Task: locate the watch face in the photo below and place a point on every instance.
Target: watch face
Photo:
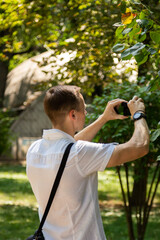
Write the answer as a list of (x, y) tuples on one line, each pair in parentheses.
[(137, 115)]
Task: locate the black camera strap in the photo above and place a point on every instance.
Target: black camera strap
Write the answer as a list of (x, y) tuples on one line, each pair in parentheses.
[(55, 186)]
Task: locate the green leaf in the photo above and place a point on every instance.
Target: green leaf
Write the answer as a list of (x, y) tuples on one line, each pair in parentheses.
[(155, 36), (154, 84), (127, 30), (126, 54), (135, 49), (142, 36), (134, 32), (136, 53), (152, 51), (119, 31), (145, 23), (141, 58), (118, 24), (83, 6), (158, 158), (155, 135), (123, 6), (118, 47), (135, 2), (138, 46), (142, 14)]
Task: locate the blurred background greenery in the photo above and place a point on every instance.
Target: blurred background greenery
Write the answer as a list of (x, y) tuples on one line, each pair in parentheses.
[(114, 49)]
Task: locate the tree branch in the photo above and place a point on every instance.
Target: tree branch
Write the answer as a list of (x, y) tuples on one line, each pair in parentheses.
[(32, 48), (149, 206), (127, 210)]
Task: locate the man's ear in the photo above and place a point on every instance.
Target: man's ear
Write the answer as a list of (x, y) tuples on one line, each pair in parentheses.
[(72, 114)]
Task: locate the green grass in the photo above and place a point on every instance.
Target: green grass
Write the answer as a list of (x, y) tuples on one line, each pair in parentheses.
[(112, 210), (18, 207)]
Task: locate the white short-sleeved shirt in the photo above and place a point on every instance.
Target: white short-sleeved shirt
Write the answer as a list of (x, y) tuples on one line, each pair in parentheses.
[(74, 214)]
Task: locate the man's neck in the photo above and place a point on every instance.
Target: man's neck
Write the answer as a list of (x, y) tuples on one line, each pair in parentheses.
[(67, 129)]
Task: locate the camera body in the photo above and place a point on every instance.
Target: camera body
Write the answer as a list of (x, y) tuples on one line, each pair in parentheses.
[(123, 109)]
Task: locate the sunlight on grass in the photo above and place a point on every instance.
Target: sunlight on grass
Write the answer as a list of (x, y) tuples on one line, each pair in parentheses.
[(13, 175), (15, 189), (18, 206), (109, 186)]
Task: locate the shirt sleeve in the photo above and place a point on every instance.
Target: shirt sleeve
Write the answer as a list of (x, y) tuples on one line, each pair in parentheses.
[(93, 157)]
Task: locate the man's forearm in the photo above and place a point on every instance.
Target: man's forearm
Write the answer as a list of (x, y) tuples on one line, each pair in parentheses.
[(135, 148), (140, 136), (138, 145), (88, 133)]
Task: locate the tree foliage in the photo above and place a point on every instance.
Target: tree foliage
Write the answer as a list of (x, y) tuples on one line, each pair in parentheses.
[(89, 31), (25, 24), (138, 36), (62, 25), (5, 135)]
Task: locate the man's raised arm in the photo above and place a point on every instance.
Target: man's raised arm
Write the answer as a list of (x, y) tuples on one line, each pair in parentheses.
[(88, 133), (138, 145)]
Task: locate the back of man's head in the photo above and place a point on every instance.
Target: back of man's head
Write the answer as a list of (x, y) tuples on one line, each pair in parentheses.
[(60, 100)]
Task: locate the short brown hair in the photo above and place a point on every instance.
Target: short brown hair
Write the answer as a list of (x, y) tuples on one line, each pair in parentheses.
[(59, 100)]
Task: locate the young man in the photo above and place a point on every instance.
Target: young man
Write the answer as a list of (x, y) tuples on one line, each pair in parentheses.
[(74, 214)]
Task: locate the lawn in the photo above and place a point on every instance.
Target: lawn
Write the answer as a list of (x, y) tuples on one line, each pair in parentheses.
[(18, 207)]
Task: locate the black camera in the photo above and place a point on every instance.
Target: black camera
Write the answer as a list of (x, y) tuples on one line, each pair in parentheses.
[(123, 109)]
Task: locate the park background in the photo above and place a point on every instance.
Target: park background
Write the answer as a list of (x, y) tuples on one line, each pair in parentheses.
[(109, 48)]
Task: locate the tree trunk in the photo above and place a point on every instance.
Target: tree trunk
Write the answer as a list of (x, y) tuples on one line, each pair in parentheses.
[(138, 197), (3, 79), (127, 205)]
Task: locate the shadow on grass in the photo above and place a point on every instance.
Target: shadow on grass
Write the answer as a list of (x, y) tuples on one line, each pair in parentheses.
[(17, 222), (13, 169), (103, 195), (10, 186), (108, 196), (115, 225)]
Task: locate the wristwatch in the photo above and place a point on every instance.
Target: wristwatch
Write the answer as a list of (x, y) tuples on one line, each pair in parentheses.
[(138, 115)]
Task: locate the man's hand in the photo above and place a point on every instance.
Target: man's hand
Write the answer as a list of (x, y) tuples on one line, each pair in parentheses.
[(110, 113), (136, 104), (88, 133), (138, 145)]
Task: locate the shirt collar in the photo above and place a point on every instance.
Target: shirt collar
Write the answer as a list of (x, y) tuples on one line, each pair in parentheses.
[(56, 134)]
